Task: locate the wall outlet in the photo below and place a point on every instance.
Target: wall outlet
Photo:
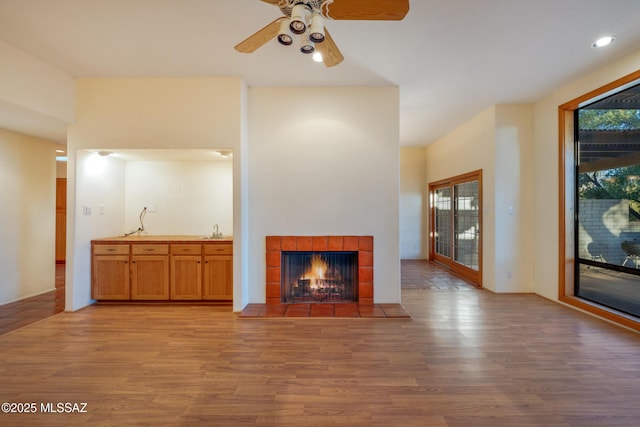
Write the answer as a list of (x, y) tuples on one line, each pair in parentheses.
[(508, 274)]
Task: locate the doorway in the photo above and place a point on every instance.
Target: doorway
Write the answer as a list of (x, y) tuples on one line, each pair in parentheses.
[(455, 237)]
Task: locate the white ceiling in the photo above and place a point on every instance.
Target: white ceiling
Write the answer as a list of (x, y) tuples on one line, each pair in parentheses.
[(451, 59)]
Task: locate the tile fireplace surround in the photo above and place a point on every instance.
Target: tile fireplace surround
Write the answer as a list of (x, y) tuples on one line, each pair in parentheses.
[(363, 245), (363, 308)]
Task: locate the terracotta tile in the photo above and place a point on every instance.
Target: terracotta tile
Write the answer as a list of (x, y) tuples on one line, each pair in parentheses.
[(273, 259), (274, 310), (366, 243), (272, 302), (371, 311), (297, 310), (252, 310), (336, 243), (346, 310), (273, 291), (365, 258), (351, 243), (365, 290), (322, 310), (365, 274), (273, 275), (365, 301), (273, 243), (288, 243), (319, 243), (304, 243)]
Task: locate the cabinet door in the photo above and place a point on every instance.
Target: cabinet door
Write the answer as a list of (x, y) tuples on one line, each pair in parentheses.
[(150, 277), (110, 277), (186, 277), (218, 277)]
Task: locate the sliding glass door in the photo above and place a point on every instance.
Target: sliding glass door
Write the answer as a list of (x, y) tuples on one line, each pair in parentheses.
[(455, 227)]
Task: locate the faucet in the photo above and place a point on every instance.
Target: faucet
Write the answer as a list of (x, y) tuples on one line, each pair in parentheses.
[(216, 233)]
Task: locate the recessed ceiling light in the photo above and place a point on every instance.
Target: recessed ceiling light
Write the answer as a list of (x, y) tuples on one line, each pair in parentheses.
[(603, 41)]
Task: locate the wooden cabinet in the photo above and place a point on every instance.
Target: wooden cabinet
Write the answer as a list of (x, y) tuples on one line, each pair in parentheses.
[(110, 272), (218, 272), (147, 270), (150, 272), (186, 272)]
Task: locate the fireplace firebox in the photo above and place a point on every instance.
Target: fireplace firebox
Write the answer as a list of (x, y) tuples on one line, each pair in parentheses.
[(319, 276)]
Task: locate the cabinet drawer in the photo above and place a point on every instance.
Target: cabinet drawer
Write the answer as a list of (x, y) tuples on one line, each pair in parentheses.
[(111, 249), (218, 249), (150, 249), (186, 249)]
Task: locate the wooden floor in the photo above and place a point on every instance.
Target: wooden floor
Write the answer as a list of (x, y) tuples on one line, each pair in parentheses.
[(466, 358), (21, 313)]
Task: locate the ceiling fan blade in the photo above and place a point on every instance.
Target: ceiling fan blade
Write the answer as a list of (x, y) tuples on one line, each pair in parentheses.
[(260, 38), (375, 10), (331, 55)]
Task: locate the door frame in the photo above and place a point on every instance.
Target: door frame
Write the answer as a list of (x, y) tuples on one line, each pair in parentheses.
[(466, 273)]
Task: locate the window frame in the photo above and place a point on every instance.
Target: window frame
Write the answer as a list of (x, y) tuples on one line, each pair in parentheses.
[(568, 202)]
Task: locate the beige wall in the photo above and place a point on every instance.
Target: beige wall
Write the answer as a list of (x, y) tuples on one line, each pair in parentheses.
[(471, 147), (141, 113), (498, 141), (413, 203), (34, 96), (27, 216), (331, 169), (546, 167)]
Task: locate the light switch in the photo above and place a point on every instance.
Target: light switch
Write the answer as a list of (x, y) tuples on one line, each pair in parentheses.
[(86, 209)]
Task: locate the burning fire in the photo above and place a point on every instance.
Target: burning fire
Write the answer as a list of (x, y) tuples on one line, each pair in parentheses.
[(316, 273)]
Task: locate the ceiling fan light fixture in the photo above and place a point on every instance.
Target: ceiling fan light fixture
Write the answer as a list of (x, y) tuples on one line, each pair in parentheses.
[(306, 45), (299, 15), (284, 35), (317, 56), (316, 29)]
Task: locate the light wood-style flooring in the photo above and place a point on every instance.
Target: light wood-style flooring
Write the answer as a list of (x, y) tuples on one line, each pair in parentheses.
[(466, 358)]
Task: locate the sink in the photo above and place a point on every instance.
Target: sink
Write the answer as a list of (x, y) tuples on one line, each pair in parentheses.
[(215, 237)]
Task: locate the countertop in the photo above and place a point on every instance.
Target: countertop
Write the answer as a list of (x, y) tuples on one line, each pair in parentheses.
[(163, 239)]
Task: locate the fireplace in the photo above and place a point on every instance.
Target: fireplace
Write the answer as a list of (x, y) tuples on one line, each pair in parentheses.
[(347, 276), (319, 277)]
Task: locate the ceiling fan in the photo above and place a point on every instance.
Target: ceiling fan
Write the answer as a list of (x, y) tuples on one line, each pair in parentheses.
[(304, 20)]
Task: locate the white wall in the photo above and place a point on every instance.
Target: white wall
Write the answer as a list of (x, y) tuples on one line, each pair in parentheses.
[(189, 197), (546, 163), (143, 113), (413, 203), (27, 216), (98, 181), (325, 161)]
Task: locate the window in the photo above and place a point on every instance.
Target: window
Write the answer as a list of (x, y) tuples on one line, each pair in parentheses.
[(600, 213), (608, 191)]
